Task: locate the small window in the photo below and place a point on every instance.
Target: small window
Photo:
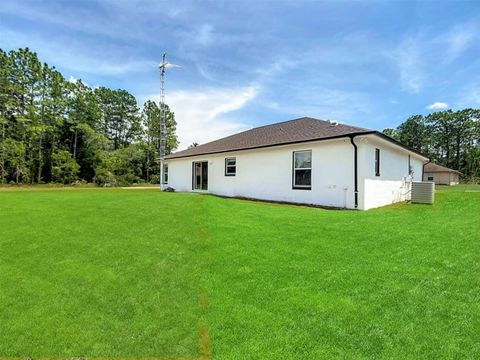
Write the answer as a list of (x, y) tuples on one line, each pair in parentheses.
[(165, 173), (230, 166), (377, 162), (302, 170), (430, 178)]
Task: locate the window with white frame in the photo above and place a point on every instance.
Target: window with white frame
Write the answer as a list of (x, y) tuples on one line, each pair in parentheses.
[(302, 169), (230, 166), (165, 173)]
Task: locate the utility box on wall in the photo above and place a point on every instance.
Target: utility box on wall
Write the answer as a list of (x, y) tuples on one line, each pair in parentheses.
[(423, 192)]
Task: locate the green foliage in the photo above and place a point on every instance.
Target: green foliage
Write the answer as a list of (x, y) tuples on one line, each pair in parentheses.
[(15, 162), (151, 135), (450, 138), (121, 167), (43, 117), (105, 178), (413, 132), (64, 168)]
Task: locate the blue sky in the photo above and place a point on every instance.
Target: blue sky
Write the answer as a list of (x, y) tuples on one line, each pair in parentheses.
[(250, 63)]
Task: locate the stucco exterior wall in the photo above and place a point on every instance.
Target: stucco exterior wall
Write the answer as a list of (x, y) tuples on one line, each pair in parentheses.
[(267, 173), (392, 184), (442, 178)]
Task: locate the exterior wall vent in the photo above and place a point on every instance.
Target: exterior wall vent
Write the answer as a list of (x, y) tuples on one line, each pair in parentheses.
[(423, 192)]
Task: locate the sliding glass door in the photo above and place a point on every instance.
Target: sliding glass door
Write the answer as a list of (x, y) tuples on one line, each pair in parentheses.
[(200, 175)]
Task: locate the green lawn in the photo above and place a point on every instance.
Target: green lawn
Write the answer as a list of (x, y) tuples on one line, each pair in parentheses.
[(138, 273)]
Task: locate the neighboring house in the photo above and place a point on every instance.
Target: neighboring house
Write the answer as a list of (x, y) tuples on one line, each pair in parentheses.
[(441, 175), (305, 161)]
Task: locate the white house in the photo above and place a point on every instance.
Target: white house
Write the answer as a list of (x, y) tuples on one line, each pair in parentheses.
[(306, 161)]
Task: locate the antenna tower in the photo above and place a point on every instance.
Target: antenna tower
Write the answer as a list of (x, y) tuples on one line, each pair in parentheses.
[(163, 120), (163, 115)]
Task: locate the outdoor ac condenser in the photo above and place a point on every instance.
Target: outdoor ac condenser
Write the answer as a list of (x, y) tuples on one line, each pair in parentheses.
[(423, 192)]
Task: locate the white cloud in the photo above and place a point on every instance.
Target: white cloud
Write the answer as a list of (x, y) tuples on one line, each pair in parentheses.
[(63, 54), (409, 58), (327, 104), (469, 96), (458, 40), (105, 67), (422, 56), (88, 21), (438, 105), (204, 70), (205, 36), (202, 115)]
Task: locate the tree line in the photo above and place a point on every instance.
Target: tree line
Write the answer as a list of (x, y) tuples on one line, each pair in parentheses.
[(54, 130), (449, 138)]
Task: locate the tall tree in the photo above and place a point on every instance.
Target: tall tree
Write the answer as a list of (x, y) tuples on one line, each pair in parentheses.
[(151, 125), (413, 132), (26, 72), (450, 138), (57, 130)]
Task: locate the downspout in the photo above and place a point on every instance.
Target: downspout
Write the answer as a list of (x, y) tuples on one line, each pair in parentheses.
[(423, 169), (355, 169)]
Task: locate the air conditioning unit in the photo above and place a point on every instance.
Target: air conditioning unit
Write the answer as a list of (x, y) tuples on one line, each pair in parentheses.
[(423, 192)]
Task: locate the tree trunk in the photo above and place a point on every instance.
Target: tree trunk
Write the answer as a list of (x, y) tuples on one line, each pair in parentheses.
[(75, 144), (3, 153), (458, 150), (447, 149), (148, 166), (30, 161), (40, 160), (52, 151), (148, 161)]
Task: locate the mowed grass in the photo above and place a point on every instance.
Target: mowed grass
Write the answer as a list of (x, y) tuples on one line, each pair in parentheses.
[(99, 273), (137, 273)]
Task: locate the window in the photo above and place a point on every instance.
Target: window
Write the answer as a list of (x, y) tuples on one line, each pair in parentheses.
[(302, 170), (165, 173), (377, 162), (230, 166), (430, 177)]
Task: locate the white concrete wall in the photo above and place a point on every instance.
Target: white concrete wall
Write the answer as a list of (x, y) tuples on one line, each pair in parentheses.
[(390, 186), (267, 174)]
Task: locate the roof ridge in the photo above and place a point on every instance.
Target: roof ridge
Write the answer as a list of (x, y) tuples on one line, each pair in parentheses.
[(260, 127), (284, 122)]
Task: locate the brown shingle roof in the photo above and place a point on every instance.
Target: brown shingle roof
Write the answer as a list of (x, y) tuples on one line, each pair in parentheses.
[(432, 167), (287, 132)]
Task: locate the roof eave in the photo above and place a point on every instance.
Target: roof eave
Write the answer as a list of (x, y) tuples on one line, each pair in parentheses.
[(367, 132), (398, 143)]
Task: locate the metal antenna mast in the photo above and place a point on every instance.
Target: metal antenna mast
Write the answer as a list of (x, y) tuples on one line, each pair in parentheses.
[(163, 122), (163, 115)]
